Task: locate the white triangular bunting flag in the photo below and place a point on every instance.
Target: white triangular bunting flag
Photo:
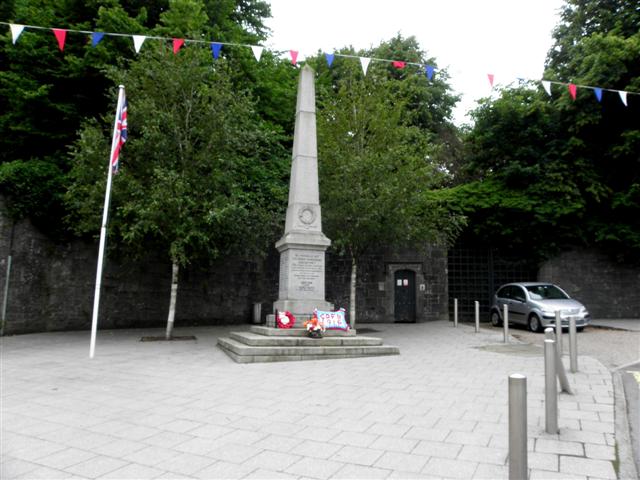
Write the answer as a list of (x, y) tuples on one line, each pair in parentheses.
[(623, 97), (138, 40), (364, 61), (547, 86), (16, 30), (257, 52)]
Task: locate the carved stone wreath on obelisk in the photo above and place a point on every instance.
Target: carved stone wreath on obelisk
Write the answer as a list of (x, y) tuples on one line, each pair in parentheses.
[(303, 245)]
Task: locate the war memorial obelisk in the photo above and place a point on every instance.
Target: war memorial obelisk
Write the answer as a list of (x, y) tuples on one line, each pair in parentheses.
[(303, 245)]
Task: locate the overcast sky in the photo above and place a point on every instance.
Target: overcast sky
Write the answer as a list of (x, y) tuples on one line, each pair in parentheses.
[(471, 38)]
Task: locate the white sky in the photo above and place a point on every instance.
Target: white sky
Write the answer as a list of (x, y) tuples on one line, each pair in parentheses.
[(471, 38)]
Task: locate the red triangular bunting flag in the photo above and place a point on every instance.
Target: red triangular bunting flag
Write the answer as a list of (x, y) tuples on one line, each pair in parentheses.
[(398, 64), (573, 89), (490, 77), (294, 56), (177, 44), (61, 35)]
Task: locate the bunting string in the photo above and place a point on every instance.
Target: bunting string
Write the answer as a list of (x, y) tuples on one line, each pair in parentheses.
[(178, 43)]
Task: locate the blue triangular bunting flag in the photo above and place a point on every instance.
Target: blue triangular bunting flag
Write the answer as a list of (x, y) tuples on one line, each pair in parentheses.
[(95, 38), (329, 57), (215, 50), (428, 70), (598, 92)]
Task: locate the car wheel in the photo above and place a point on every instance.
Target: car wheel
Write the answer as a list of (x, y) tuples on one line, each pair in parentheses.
[(495, 319), (579, 329), (534, 323)]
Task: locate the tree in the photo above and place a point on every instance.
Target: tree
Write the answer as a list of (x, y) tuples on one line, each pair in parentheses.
[(375, 171), (46, 94), (202, 176), (542, 164)]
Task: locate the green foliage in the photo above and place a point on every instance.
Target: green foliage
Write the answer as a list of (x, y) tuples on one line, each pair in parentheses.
[(46, 95), (572, 167), (33, 189), (201, 175), (375, 168)]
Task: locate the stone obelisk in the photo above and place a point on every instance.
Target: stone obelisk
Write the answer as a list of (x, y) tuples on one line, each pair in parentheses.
[(303, 245)]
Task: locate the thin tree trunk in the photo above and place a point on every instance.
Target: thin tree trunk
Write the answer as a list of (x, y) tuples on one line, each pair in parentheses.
[(172, 304), (352, 293)]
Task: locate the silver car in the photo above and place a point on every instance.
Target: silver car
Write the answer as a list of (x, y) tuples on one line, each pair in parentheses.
[(535, 304)]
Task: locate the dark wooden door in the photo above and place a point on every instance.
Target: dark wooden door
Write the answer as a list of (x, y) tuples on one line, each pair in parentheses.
[(405, 296)]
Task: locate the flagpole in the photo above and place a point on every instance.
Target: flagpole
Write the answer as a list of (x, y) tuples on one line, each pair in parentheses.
[(103, 229)]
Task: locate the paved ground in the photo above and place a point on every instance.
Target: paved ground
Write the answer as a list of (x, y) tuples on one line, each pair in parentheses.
[(185, 410), (610, 344)]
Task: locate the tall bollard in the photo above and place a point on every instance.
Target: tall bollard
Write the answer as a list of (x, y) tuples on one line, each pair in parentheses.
[(559, 332), (505, 323), (455, 312), (562, 375), (548, 334), (518, 427), (477, 309), (550, 388), (573, 345)]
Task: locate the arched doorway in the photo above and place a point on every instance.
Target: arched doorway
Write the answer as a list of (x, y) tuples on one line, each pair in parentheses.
[(404, 296)]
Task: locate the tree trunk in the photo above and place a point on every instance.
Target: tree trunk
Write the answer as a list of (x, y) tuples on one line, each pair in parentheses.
[(172, 304), (352, 293)]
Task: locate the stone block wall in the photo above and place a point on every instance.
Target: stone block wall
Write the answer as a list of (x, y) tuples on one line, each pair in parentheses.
[(607, 288), (52, 286), (374, 291)]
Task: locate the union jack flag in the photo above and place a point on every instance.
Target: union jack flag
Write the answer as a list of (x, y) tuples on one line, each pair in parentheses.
[(120, 134)]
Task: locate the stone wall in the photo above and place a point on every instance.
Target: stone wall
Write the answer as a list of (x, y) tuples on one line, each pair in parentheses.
[(608, 289), (374, 291), (52, 286)]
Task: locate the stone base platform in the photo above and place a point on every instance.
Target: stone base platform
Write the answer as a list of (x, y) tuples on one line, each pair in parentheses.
[(266, 344)]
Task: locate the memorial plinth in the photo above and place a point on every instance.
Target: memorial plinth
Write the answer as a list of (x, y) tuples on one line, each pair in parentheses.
[(302, 249), (303, 245)]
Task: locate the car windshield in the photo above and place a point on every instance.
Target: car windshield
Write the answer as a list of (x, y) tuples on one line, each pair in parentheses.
[(546, 292)]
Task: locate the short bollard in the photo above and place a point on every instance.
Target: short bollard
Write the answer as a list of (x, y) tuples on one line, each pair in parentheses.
[(562, 375), (559, 332), (550, 388), (455, 312), (548, 334), (477, 309), (518, 427), (505, 323), (573, 345)]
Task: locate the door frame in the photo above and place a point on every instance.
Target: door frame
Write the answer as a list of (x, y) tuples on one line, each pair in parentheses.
[(416, 268)]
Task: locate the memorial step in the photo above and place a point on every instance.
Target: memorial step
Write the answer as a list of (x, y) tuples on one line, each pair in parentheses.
[(297, 332), (243, 353), (254, 339)]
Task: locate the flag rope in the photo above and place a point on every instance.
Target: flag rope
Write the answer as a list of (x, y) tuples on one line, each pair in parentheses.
[(400, 64)]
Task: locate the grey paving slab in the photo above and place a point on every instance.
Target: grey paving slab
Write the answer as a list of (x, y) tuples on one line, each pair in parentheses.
[(361, 472), (133, 471), (402, 461), (185, 410), (587, 466), (446, 468)]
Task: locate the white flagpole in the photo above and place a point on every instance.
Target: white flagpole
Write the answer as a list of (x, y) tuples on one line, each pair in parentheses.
[(103, 229)]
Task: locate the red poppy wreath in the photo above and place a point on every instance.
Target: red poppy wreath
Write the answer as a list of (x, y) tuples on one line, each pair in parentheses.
[(285, 319)]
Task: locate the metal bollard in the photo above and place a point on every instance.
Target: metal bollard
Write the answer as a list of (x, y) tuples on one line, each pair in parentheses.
[(562, 374), (559, 332), (477, 305), (548, 334), (518, 461), (455, 312), (505, 323), (550, 388), (573, 345)]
